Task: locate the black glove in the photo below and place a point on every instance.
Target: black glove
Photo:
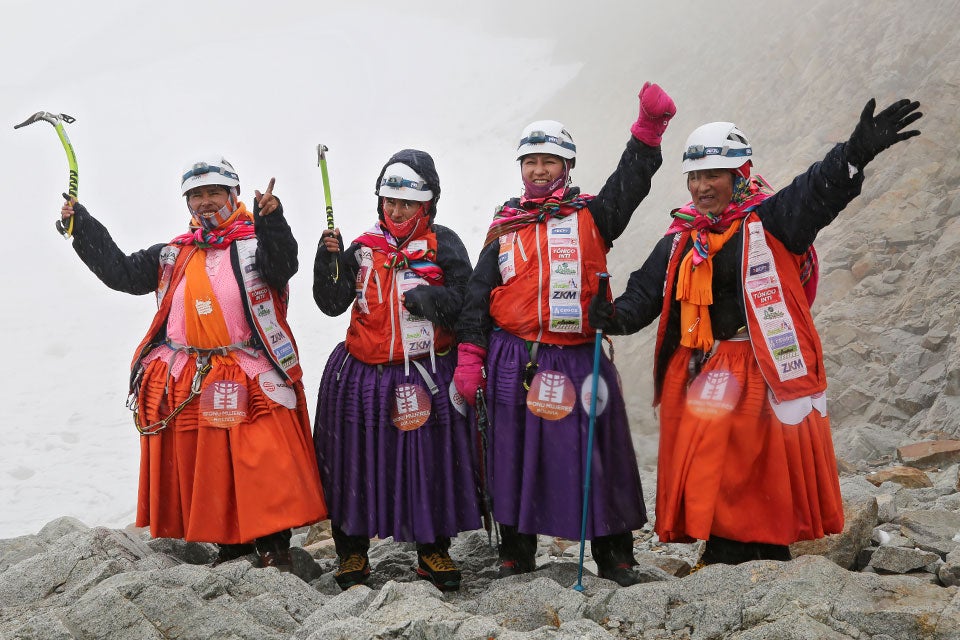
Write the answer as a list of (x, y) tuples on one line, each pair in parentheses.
[(876, 133), (417, 301), (602, 314)]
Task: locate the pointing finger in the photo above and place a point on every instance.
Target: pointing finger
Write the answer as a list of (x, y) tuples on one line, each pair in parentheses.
[(270, 187)]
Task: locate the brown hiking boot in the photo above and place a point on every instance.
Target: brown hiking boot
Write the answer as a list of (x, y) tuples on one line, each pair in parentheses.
[(437, 567), (353, 570)]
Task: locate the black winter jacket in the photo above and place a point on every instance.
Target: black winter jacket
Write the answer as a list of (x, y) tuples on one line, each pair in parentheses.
[(794, 216), (439, 305), (138, 273)]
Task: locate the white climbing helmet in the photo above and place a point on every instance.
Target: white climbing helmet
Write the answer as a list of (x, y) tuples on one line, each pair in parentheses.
[(716, 145), (401, 181), (213, 170), (546, 136)]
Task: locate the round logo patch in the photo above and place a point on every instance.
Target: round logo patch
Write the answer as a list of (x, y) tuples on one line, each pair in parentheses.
[(551, 395), (713, 394), (586, 390), (223, 404), (457, 400), (410, 406)]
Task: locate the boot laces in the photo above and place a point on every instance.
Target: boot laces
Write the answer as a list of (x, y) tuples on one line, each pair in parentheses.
[(439, 561), (353, 562)]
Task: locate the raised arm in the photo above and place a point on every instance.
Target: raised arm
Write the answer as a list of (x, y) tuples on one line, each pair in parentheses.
[(136, 273), (630, 182)]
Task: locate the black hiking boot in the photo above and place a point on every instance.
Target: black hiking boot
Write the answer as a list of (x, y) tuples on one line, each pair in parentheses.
[(623, 574)]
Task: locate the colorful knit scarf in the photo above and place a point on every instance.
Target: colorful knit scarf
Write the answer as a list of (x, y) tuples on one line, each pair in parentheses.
[(694, 288), (531, 211), (238, 226), (420, 261)]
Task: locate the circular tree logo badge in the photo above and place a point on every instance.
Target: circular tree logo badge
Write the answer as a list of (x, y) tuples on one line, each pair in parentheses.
[(551, 395), (410, 406)]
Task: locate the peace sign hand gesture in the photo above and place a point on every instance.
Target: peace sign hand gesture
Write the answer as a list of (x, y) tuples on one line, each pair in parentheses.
[(266, 203)]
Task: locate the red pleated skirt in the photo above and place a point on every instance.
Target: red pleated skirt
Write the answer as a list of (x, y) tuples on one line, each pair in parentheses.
[(225, 484), (729, 467)]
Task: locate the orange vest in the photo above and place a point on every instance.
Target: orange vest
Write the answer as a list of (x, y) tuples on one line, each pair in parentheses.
[(781, 328), (376, 333), (548, 273), (260, 301)]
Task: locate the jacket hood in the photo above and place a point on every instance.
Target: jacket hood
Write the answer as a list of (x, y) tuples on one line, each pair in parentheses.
[(422, 163)]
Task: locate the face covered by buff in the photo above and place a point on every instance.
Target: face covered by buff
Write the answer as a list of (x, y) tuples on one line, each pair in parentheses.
[(406, 228), (543, 175), (211, 205)]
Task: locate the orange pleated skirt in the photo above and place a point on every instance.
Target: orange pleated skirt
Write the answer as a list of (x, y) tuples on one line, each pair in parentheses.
[(729, 467), (225, 484)]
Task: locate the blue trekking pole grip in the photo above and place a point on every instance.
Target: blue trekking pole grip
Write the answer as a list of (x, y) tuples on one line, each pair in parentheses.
[(602, 287)]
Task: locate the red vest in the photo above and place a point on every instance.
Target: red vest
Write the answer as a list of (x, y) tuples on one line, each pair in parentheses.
[(375, 334), (549, 274), (781, 328)]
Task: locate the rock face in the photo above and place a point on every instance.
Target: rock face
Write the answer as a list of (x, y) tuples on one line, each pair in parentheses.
[(887, 306)]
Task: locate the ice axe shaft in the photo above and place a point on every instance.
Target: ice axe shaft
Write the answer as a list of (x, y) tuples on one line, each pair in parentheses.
[(602, 286), (322, 162), (57, 120)]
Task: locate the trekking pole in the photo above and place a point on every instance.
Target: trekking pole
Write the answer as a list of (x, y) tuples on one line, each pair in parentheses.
[(594, 385), (322, 162), (57, 120)]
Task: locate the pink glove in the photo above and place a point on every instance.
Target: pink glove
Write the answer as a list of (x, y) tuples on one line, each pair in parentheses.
[(656, 109), (469, 374)]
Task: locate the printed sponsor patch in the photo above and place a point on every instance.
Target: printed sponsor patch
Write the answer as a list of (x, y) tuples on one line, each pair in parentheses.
[(277, 390), (457, 400), (766, 297), (259, 295), (586, 393), (568, 311), (713, 394), (551, 395), (223, 404), (410, 406), (781, 340)]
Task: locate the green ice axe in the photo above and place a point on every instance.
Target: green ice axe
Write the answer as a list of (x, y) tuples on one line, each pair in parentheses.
[(57, 121), (322, 162)]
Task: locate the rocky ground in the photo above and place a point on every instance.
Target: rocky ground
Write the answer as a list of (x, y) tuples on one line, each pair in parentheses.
[(892, 574)]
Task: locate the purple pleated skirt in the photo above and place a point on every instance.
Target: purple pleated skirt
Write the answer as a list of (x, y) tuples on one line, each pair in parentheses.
[(538, 465), (415, 485)]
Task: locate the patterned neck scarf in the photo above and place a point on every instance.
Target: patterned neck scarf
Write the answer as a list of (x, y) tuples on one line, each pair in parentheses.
[(420, 260), (238, 226), (748, 193), (532, 211)]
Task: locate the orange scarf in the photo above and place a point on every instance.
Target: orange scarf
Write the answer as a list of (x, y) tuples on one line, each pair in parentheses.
[(695, 292)]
